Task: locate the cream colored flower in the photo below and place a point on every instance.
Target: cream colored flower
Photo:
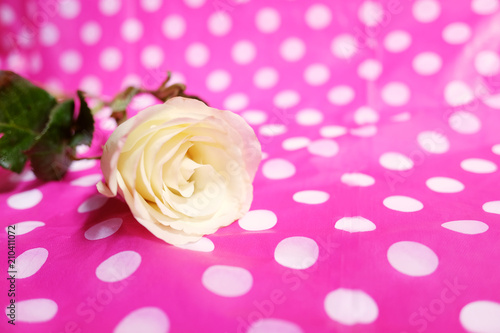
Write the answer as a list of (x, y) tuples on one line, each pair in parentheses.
[(183, 168)]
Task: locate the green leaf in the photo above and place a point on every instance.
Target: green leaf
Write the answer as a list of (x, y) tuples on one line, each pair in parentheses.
[(24, 111), (84, 125)]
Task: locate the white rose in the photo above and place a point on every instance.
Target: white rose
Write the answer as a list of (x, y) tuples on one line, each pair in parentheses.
[(183, 168)]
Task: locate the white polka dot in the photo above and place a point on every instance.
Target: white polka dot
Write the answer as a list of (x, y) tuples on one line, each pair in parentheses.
[(90, 33), (468, 227), (427, 63), (395, 161), (403, 204), (272, 325), (243, 52), (323, 147), (151, 5), (370, 69), (25, 200), (93, 86), (70, 61), (82, 164), (344, 46), (492, 207), (195, 3), (147, 319), (341, 95), (93, 203), (400, 117), (458, 93), (227, 281), (433, 142), (109, 7), (110, 59), (332, 131), (119, 266), (219, 23), (286, 99), (481, 317), (351, 306), (254, 117), (173, 27), (484, 7), (496, 149), (456, 33), (218, 80), (278, 168), (30, 262), (426, 11), (22, 228), (295, 143), (131, 80), (256, 220), (444, 185), (464, 122), (370, 13), (311, 197), (487, 63), (397, 41), (357, 179), (197, 55), (69, 9), (316, 74), (364, 131), (236, 102), (36, 310), (26, 176), (268, 20), (49, 34), (355, 224), (478, 165), (131, 30), (103, 229), (292, 49), (86, 181), (152, 56), (7, 14), (396, 94), (309, 117), (272, 129), (318, 16), (201, 245), (296, 252), (266, 78), (365, 115), (412, 258)]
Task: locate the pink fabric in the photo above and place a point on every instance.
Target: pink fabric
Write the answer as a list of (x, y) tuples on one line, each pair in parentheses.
[(405, 93)]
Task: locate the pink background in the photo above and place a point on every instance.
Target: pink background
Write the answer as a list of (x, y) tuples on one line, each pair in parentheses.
[(331, 87)]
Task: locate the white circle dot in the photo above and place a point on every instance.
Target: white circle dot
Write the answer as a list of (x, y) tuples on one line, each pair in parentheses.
[(218, 80), (370, 69), (49, 34), (69, 9), (236, 102), (396, 94), (131, 30), (344, 46), (323, 147), (464, 122), (146, 319), (243, 52), (86, 181), (35, 310), (444, 185), (92, 203), (355, 224), (268, 20), (316, 74), (412, 258), (227, 281), (90, 33), (195, 3), (478, 165), (152, 56), (7, 14), (365, 115), (395, 161), (487, 63), (484, 7), (272, 129), (109, 7), (254, 117), (110, 59), (30, 262), (456, 33), (151, 5), (492, 207), (357, 179), (173, 27), (318, 16), (364, 131), (201, 245), (332, 131), (119, 266), (370, 13), (25, 200), (433, 142), (341, 95), (295, 143), (458, 93), (71, 61), (403, 204), (426, 11), (292, 49), (309, 117), (311, 197), (197, 55), (427, 63), (468, 227), (266, 78), (103, 229), (296, 252), (286, 99), (92, 85), (256, 220), (272, 325), (496, 149), (351, 306), (397, 41), (278, 168), (219, 23)]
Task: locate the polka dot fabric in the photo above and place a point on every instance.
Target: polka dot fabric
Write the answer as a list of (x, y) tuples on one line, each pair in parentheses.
[(376, 207)]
